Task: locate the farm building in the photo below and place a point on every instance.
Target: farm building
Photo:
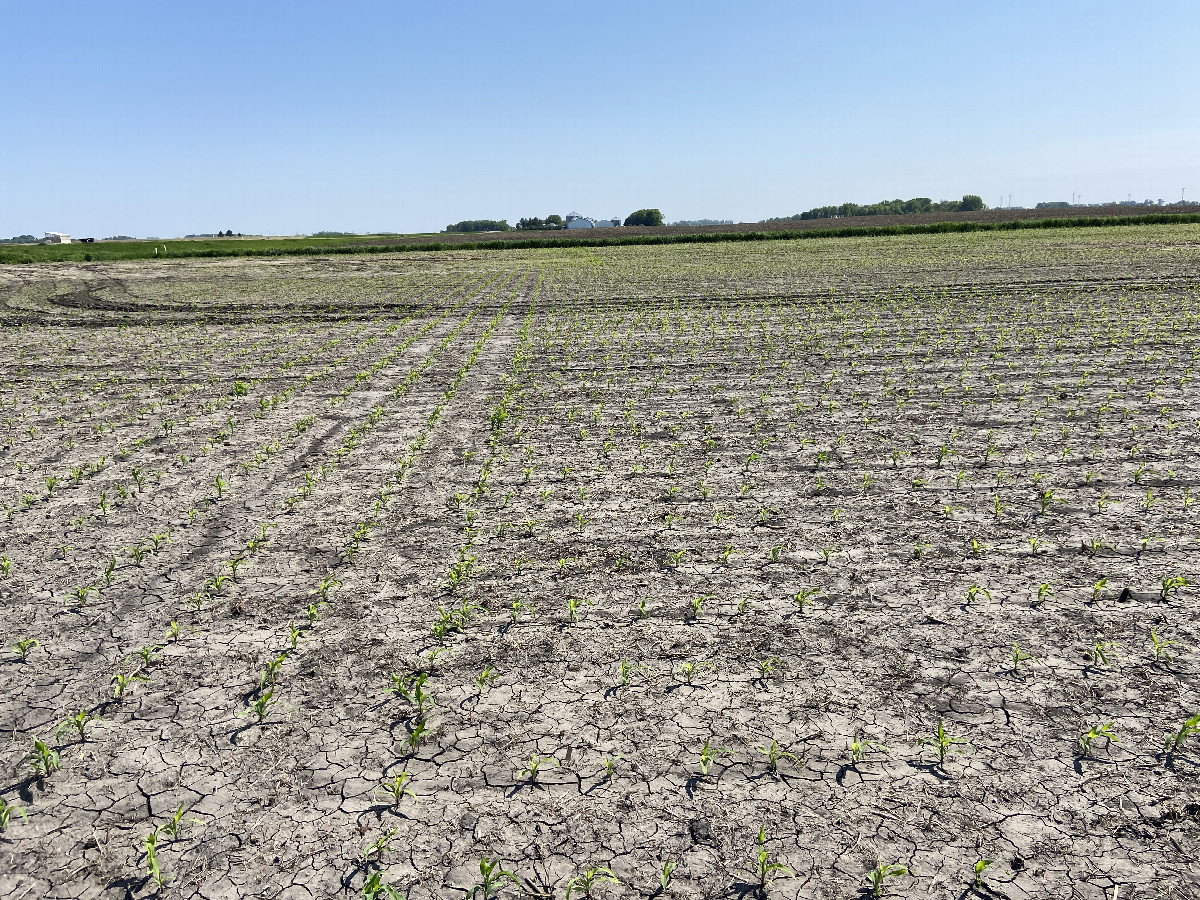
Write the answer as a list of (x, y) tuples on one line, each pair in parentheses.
[(574, 220), (56, 237)]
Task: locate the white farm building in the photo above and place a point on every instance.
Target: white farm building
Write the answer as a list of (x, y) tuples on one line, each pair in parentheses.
[(56, 237), (574, 220)]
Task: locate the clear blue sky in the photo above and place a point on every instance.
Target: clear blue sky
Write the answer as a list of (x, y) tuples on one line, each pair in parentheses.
[(167, 118)]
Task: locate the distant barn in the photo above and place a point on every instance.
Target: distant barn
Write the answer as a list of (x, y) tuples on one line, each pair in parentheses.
[(56, 237)]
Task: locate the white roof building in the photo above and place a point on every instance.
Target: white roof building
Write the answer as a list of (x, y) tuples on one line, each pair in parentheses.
[(574, 220), (56, 237)]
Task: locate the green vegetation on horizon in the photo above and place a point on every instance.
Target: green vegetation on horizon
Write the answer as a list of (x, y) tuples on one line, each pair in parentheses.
[(917, 205), (308, 246)]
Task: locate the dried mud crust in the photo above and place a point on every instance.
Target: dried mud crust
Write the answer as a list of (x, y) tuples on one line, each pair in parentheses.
[(618, 508)]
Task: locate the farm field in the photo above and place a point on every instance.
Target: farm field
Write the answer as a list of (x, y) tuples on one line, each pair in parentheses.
[(799, 569)]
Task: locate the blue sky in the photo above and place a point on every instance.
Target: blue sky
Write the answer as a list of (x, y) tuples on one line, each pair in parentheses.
[(280, 118)]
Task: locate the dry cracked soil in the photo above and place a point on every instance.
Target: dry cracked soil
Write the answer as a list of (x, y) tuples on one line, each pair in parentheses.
[(861, 567)]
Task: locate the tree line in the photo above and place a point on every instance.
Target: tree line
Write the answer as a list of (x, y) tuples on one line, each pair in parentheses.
[(552, 222), (969, 203)]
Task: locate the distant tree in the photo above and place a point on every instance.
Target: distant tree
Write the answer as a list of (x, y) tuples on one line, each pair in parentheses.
[(531, 224), (971, 203), (554, 221), (645, 217), (471, 225)]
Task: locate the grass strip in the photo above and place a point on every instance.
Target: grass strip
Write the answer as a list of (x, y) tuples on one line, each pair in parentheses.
[(24, 254)]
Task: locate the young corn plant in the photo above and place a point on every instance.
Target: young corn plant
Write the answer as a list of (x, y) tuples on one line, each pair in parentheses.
[(1088, 738), (77, 723), (861, 746), (153, 867), (327, 584), (807, 596), (375, 887), (43, 760), (7, 810), (709, 754), (535, 766), (1175, 741), (22, 646), (774, 754), (1016, 656), (175, 824), (397, 788), (763, 868), (379, 846), (588, 879), (1102, 653), (879, 875), (1172, 584), (122, 682), (980, 867), (1159, 647), (492, 877), (943, 742), (261, 706), (412, 689)]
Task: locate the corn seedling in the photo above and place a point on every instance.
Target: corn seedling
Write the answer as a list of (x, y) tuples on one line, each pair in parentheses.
[(1045, 592), (412, 689), (379, 846), (708, 755), (374, 887), (664, 875), (1102, 653), (271, 672), (974, 591), (943, 742), (1093, 734), (775, 753), (486, 679), (1016, 656), (416, 734), (1171, 584), (22, 646), (586, 880), (121, 683), (766, 667), (396, 788), (688, 671), (262, 705), (77, 723), (153, 868), (327, 584), (765, 869), (1176, 741), (1098, 589), (877, 876), (860, 747), (6, 813), (625, 668), (174, 824), (980, 867), (43, 760), (536, 763), (1158, 647), (6, 565), (491, 878), (610, 765)]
